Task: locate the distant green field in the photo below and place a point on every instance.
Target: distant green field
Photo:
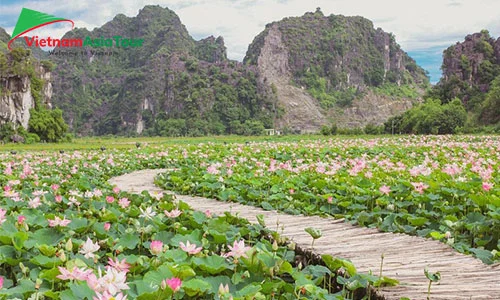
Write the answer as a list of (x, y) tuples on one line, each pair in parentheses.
[(127, 143)]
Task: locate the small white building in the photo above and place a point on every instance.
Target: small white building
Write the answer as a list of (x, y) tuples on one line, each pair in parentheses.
[(272, 132)]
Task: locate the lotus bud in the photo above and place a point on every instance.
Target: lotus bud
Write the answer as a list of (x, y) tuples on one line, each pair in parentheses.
[(69, 245), (223, 289), (62, 255), (38, 283), (275, 246), (23, 268)]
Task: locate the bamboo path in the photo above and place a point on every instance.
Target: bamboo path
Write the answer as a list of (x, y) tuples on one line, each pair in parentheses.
[(405, 257)]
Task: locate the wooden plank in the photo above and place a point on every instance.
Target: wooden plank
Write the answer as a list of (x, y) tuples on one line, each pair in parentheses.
[(405, 257)]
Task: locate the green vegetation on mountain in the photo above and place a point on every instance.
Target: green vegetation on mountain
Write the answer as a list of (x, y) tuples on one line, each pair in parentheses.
[(467, 98), (176, 86), (172, 86), (431, 117), (337, 58), (44, 124), (4, 38)]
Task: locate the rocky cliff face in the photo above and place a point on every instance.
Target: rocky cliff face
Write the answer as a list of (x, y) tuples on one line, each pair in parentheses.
[(301, 111), (16, 100), (469, 67), (16, 97), (471, 73), (324, 66), (371, 109), (22, 80)]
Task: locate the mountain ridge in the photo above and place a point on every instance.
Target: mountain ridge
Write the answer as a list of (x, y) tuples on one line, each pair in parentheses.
[(335, 60), (174, 79)]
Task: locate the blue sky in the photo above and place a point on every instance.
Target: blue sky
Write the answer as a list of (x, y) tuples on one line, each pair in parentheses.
[(423, 28)]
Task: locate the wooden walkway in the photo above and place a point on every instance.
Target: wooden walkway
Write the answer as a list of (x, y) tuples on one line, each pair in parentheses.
[(462, 276)]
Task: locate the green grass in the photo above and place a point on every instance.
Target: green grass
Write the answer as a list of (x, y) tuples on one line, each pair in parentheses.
[(130, 143)]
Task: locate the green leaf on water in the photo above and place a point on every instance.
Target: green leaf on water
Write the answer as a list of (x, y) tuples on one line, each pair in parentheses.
[(212, 264), (18, 239), (313, 232), (196, 287), (129, 241), (260, 219), (385, 281), (81, 290), (335, 264), (434, 277), (48, 236), (23, 286), (249, 290), (484, 255), (417, 221), (46, 262), (266, 206)]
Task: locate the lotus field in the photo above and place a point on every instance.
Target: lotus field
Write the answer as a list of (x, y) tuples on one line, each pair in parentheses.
[(445, 187), (65, 233)]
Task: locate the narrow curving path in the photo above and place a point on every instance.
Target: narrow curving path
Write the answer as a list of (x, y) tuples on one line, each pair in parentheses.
[(405, 257)]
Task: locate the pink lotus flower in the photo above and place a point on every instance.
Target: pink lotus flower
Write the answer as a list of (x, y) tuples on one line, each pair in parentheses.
[(385, 189), (213, 170), (8, 170), (419, 187), (3, 212), (110, 199), (58, 198), (21, 219), (238, 249), (123, 202), (112, 282), (97, 193), (35, 202), (208, 214), (173, 283), (73, 201), (59, 222), (156, 195), (107, 226), (190, 248), (89, 248), (39, 193), (54, 187), (148, 213), (14, 182), (74, 274), (174, 213), (487, 186), (330, 199), (10, 194), (156, 247), (121, 266), (292, 191), (116, 190), (1, 282)]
